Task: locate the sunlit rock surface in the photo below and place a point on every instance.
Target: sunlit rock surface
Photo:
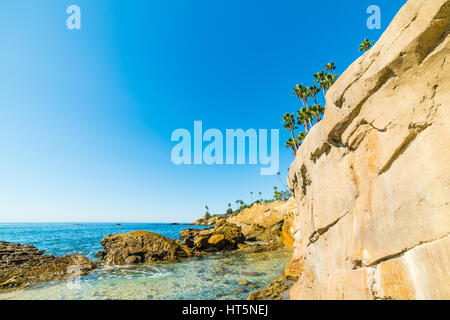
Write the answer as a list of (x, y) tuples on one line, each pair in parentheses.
[(372, 179)]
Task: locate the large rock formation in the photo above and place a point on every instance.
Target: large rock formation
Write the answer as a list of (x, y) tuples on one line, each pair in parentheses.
[(141, 247), (270, 223), (372, 179), (224, 236), (23, 265)]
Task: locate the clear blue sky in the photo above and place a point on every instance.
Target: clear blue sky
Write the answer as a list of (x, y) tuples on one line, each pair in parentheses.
[(86, 115)]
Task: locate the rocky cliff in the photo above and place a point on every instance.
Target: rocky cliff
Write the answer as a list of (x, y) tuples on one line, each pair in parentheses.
[(372, 179)]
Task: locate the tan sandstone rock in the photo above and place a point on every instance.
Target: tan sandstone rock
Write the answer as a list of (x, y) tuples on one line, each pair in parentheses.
[(268, 222), (372, 179)]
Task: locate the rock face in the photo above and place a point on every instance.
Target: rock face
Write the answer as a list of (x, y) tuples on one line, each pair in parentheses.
[(141, 247), (23, 265), (270, 223), (372, 179)]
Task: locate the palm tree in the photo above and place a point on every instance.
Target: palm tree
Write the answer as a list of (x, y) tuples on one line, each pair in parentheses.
[(365, 45), (306, 95), (313, 90), (317, 111), (330, 67), (303, 118), (251, 195), (319, 77), (281, 181), (329, 80), (303, 93), (290, 144), (289, 124), (301, 137)]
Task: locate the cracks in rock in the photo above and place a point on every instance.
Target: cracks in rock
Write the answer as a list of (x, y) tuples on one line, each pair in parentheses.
[(383, 77), (319, 232), (355, 180), (324, 149), (306, 181), (435, 35), (415, 130), (402, 252)]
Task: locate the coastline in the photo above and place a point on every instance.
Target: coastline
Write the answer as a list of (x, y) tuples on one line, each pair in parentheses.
[(264, 255)]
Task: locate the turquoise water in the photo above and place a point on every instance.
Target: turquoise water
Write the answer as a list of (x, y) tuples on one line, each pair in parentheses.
[(215, 276)]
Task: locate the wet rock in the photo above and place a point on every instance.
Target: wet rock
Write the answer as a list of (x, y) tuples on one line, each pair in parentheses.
[(189, 233), (24, 265), (141, 247), (225, 236), (276, 290), (201, 242), (243, 282), (217, 241)]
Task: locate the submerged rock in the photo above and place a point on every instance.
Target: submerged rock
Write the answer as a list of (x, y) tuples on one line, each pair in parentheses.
[(141, 247), (23, 265), (278, 289)]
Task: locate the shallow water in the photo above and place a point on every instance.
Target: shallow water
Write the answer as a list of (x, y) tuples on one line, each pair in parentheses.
[(214, 276)]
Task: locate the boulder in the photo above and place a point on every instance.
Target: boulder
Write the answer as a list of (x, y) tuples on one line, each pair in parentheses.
[(224, 236), (201, 242), (189, 233), (217, 241), (141, 247)]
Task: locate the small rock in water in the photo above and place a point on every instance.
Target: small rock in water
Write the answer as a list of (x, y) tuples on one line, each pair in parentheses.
[(241, 290), (244, 283)]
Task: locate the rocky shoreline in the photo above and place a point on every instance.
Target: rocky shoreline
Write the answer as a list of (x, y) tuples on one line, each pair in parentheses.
[(24, 265), (261, 228)]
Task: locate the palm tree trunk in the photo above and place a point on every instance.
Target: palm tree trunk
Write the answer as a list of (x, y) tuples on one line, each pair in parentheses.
[(305, 124), (293, 140)]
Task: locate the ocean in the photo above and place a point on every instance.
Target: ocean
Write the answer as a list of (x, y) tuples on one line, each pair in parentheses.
[(214, 276)]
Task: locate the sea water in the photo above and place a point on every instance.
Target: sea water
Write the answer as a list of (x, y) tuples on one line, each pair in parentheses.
[(214, 276)]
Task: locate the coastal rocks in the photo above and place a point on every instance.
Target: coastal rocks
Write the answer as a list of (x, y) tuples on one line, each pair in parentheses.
[(23, 265), (372, 179), (208, 221), (278, 289), (270, 223), (189, 233), (225, 236), (141, 247)]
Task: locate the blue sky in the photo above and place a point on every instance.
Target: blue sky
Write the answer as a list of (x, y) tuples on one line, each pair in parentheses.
[(86, 115)]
